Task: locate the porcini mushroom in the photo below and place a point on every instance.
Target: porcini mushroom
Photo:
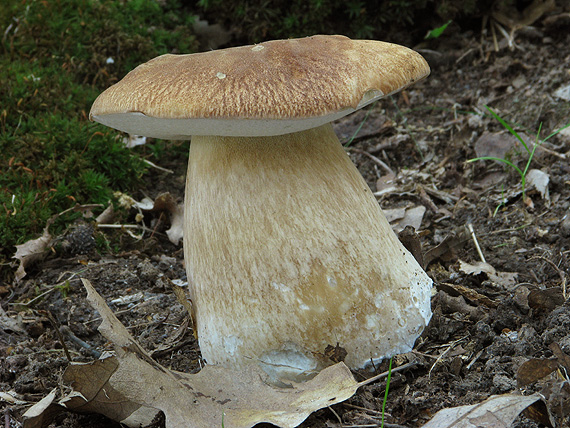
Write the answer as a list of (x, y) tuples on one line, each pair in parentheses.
[(286, 248)]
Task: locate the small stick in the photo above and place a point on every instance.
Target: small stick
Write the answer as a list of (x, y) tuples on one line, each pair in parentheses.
[(336, 414), (385, 374), (64, 329), (472, 231), (375, 159), (153, 165)]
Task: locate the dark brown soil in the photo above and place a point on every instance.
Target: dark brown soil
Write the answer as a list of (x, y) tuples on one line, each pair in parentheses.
[(484, 326)]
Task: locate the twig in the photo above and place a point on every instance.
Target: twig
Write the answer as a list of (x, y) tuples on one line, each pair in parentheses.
[(375, 159), (472, 231), (385, 374), (552, 152), (69, 334), (449, 348), (158, 167), (337, 416)]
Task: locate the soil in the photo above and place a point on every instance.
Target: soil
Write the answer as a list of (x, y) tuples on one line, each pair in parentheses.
[(488, 319)]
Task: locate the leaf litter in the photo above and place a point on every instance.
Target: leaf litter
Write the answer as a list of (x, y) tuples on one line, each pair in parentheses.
[(131, 388), (483, 329)]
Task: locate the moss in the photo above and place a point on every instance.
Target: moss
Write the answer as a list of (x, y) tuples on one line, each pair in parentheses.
[(55, 58)]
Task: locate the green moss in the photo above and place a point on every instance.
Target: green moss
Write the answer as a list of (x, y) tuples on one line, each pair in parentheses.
[(55, 58)]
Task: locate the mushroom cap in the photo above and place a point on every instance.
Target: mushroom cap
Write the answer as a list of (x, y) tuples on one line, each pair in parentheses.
[(272, 88)]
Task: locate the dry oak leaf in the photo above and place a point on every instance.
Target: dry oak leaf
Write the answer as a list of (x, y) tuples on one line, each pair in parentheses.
[(131, 388), (498, 411)]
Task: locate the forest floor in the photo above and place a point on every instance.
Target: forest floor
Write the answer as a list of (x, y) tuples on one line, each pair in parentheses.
[(488, 318)]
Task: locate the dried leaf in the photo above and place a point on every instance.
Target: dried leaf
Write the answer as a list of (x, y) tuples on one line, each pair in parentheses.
[(498, 411), (394, 214), (13, 324), (495, 145), (538, 180), (30, 252), (546, 300), (476, 268), (539, 412), (453, 304), (563, 358), (166, 202), (410, 239), (506, 279), (446, 249), (43, 412), (532, 370), (558, 394), (563, 93), (131, 387)]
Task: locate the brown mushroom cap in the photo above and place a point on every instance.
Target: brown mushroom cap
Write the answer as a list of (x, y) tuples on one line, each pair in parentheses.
[(272, 88)]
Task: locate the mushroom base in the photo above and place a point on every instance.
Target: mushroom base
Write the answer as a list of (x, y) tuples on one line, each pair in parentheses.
[(290, 259)]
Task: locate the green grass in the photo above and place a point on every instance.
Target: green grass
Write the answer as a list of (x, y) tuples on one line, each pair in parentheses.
[(386, 391), (55, 58), (522, 172)]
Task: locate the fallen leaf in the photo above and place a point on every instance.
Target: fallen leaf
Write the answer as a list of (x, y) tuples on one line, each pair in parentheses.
[(446, 249), (130, 387), (399, 218), (498, 411), (495, 145), (13, 324), (473, 296), (394, 214), (166, 202), (410, 239), (43, 412), (30, 252), (535, 369), (476, 268), (546, 300), (453, 304), (558, 396), (506, 279), (563, 93), (538, 180), (563, 358)]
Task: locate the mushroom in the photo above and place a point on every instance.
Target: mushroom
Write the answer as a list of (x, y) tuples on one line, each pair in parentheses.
[(286, 248)]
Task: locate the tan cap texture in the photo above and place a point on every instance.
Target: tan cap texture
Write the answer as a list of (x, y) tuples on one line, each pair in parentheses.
[(291, 79)]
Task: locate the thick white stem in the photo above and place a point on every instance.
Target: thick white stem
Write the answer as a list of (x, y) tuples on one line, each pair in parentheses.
[(287, 251)]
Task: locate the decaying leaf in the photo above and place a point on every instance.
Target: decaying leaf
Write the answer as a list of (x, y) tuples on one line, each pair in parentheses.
[(410, 239), (131, 388), (8, 323), (537, 179), (506, 279), (535, 369), (166, 202), (447, 248), (563, 358), (42, 413), (399, 218), (496, 144), (31, 251), (498, 411), (546, 300)]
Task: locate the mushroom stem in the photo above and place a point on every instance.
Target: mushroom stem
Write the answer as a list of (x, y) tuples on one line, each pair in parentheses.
[(287, 251)]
